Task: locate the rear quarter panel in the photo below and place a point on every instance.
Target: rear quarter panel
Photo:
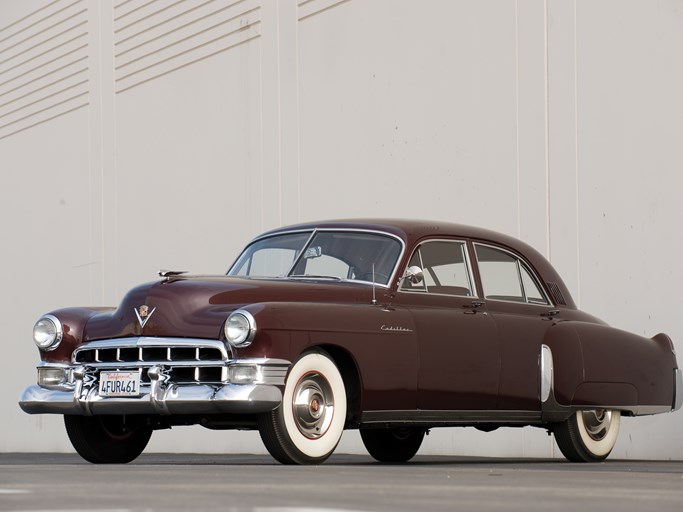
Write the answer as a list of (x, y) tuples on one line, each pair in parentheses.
[(599, 365)]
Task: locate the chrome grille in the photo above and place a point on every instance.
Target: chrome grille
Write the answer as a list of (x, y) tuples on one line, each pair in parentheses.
[(146, 354), (186, 360)]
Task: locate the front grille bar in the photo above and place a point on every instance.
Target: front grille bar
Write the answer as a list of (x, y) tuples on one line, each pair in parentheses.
[(187, 360), (168, 354), (149, 350)]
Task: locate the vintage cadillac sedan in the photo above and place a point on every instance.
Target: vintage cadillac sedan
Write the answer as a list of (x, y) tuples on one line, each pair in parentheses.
[(390, 327)]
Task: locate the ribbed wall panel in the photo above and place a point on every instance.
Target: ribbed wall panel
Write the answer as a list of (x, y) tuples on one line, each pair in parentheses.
[(43, 65), (154, 39), (309, 8)]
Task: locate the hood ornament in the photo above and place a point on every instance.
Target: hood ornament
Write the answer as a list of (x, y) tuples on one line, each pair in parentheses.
[(143, 314), (168, 274)]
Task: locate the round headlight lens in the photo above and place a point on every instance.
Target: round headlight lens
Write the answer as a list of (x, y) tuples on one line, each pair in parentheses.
[(240, 328), (47, 333)]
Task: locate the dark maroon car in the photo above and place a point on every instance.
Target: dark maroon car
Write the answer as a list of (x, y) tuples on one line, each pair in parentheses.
[(391, 327)]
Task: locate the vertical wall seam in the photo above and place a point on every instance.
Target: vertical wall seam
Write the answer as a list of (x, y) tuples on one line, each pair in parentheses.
[(278, 64), (298, 120), (114, 152), (91, 195), (547, 149), (262, 138), (103, 187), (576, 157), (547, 131), (519, 201)]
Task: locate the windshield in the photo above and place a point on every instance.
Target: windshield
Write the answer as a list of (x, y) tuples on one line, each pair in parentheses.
[(339, 255)]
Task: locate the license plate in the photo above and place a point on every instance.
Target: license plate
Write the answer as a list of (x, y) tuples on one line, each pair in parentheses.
[(120, 383)]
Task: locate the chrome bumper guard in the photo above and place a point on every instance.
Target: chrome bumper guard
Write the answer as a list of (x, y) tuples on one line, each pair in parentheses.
[(260, 392)]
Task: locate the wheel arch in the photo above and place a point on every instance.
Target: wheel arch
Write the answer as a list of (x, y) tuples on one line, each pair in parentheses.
[(350, 375)]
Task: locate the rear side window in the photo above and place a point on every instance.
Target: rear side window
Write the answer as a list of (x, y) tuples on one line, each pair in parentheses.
[(504, 276)]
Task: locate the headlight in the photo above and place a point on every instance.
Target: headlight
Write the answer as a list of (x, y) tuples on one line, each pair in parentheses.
[(240, 328), (48, 332)]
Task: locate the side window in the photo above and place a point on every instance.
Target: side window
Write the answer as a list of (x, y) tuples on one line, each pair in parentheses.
[(533, 292), (506, 277), (445, 269)]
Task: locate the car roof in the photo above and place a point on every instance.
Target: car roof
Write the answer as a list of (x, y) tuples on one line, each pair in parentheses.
[(411, 231)]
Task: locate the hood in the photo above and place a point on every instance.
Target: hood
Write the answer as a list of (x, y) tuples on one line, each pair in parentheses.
[(196, 307)]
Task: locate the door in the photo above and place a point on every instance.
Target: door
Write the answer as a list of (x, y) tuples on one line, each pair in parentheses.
[(459, 361), (523, 313)]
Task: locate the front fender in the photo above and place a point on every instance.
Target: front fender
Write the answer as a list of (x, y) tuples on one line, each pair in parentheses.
[(381, 341), (73, 322)]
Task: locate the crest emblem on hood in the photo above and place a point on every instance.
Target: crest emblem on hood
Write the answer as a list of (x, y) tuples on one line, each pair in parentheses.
[(143, 314)]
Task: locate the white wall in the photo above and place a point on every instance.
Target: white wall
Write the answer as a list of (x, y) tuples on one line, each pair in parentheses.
[(136, 136)]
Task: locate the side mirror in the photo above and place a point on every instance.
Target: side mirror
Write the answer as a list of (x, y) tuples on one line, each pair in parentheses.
[(413, 274)]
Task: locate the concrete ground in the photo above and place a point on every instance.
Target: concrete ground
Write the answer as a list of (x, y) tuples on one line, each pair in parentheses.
[(168, 482)]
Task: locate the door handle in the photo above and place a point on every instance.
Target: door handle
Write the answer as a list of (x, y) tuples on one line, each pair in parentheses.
[(550, 314), (472, 306)]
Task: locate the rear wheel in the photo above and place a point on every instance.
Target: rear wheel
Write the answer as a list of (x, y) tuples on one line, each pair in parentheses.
[(392, 444), (588, 436), (308, 425), (106, 439)]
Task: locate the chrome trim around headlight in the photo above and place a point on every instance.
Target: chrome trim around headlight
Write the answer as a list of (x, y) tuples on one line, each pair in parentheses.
[(59, 333), (249, 337)]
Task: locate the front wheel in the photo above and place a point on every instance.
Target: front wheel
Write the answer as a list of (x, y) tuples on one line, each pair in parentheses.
[(307, 426), (106, 439), (392, 444), (588, 436)]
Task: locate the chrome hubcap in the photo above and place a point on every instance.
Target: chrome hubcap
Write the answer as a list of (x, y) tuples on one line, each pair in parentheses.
[(313, 405), (597, 423)]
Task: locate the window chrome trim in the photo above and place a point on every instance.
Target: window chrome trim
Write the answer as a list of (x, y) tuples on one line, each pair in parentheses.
[(392, 276), (468, 261), (301, 254), (532, 273)]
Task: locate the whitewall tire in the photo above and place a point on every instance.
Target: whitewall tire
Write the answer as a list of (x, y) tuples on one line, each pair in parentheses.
[(308, 425), (589, 435)]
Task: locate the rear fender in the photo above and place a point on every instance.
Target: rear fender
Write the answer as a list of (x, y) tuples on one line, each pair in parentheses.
[(600, 366)]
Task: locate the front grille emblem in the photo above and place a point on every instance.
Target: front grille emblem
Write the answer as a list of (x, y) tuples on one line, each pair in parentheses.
[(144, 314)]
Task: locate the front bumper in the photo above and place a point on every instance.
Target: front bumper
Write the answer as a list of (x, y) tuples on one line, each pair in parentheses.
[(260, 391), (174, 399)]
